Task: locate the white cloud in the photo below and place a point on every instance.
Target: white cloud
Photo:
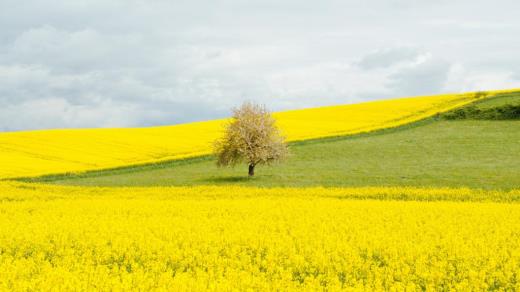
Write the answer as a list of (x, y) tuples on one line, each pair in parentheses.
[(462, 79), (135, 63)]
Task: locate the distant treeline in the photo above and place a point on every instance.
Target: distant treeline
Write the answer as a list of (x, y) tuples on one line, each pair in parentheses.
[(504, 112)]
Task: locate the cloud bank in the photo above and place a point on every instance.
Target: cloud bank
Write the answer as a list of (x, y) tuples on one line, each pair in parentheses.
[(121, 63)]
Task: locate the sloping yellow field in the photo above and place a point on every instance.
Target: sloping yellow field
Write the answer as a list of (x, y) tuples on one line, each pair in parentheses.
[(34, 153), (230, 238)]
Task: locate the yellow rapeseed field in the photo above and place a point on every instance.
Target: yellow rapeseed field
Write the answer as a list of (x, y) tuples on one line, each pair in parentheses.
[(33, 153), (223, 238), (232, 238)]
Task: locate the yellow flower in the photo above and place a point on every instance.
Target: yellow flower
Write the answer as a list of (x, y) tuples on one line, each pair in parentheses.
[(33, 153), (236, 238)]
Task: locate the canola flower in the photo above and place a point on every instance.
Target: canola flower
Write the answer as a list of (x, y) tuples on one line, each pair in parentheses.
[(34, 153), (235, 238), (57, 238)]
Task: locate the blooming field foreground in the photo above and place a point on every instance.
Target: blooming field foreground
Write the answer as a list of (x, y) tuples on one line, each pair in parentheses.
[(218, 238), (35, 153)]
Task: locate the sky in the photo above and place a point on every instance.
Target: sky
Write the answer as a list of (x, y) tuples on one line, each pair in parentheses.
[(134, 63)]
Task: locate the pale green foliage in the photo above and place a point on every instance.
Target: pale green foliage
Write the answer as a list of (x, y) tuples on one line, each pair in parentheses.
[(251, 136)]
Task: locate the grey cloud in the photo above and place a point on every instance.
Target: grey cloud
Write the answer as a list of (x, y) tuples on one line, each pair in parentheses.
[(516, 75), (388, 57), (426, 77), (139, 62)]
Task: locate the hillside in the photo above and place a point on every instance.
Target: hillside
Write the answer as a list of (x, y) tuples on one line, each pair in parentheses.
[(432, 153), (34, 153), (375, 231)]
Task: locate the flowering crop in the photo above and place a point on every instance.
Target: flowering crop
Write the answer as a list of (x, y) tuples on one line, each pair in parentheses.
[(237, 238), (33, 153), (224, 238)]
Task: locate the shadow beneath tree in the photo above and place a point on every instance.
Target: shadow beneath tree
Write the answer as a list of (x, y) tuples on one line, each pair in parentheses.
[(228, 179)]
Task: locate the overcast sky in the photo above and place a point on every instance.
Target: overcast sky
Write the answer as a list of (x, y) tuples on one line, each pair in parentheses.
[(118, 63)]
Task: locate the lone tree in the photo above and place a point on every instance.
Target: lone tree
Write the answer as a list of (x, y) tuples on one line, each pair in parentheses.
[(251, 137)]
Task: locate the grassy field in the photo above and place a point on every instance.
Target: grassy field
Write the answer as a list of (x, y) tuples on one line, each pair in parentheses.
[(513, 99), (432, 153), (36, 153)]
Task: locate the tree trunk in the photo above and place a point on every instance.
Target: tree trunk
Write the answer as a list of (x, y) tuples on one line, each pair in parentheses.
[(251, 169)]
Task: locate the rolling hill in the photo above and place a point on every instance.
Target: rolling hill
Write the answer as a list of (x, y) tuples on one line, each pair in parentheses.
[(434, 152), (411, 200), (34, 153)]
